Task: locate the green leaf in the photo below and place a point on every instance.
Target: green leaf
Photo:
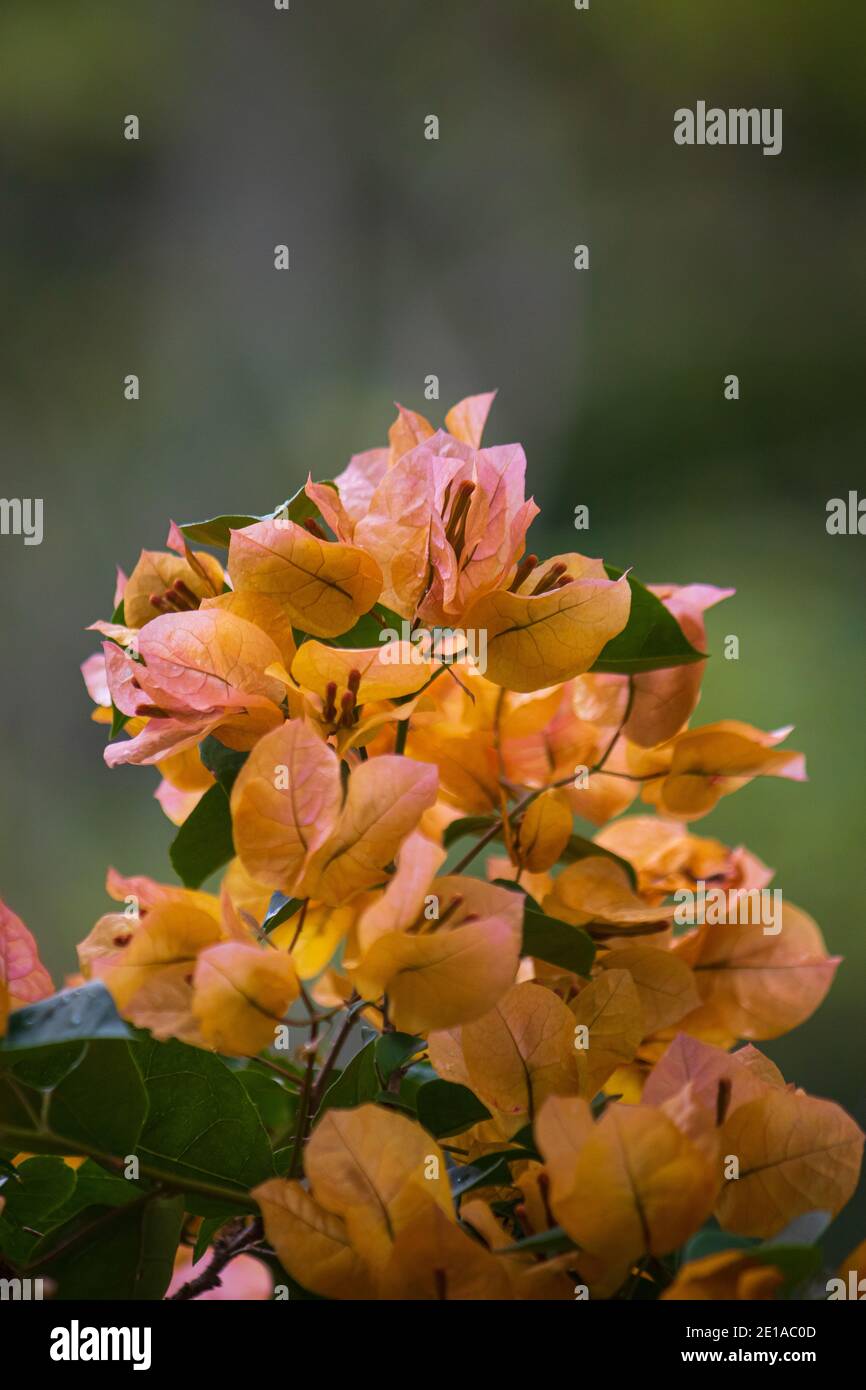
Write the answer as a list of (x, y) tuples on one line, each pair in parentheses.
[(204, 842), (393, 1049), (512, 887), (651, 640), (392, 1100), (94, 1187), (525, 1139), (276, 1105), (224, 763), (712, 1241), (798, 1262), (43, 1068), (202, 1125), (580, 848), (357, 1083), (280, 909), (46, 1193), (283, 1159), (40, 1186), (490, 1170), (16, 1242), (99, 1105), (445, 1108), (210, 1226), (79, 1014), (598, 1105), (418, 1075), (117, 1253), (557, 942), (552, 1242), (216, 530), (466, 825)]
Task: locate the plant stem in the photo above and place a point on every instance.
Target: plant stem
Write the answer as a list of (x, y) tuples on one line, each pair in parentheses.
[(224, 1252), (330, 1061), (304, 1102), (610, 747), (280, 1071), (494, 831), (302, 916), (22, 1138)]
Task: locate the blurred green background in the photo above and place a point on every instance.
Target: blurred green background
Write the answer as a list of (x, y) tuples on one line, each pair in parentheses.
[(453, 257)]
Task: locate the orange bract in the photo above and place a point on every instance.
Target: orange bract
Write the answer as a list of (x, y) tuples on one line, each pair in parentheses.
[(346, 729)]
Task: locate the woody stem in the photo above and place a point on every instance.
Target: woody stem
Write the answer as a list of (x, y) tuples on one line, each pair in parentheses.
[(609, 749), (495, 829), (300, 927), (224, 1252), (330, 1061)]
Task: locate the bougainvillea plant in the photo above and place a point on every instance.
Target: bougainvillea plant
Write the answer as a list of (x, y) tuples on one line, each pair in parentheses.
[(472, 1011)]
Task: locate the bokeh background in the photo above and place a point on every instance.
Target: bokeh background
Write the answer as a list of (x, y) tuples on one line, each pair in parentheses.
[(411, 257)]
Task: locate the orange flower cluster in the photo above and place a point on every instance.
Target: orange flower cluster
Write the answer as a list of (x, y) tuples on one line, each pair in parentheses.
[(548, 1093)]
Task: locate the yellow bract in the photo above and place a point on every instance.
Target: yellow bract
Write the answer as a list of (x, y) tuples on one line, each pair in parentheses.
[(701, 765), (795, 1154), (665, 985), (598, 890), (442, 979), (522, 1052), (544, 831), (438, 976), (158, 570), (756, 985), (323, 586), (386, 672), (151, 978), (385, 801), (433, 1259), (240, 994), (377, 1171), (285, 803), (311, 1243), (652, 1188), (733, 1274), (265, 612), (534, 642), (610, 1011)]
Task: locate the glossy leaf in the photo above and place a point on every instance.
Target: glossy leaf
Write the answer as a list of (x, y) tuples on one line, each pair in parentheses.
[(201, 1124), (204, 842), (78, 1014), (651, 640), (546, 938), (446, 1109)]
